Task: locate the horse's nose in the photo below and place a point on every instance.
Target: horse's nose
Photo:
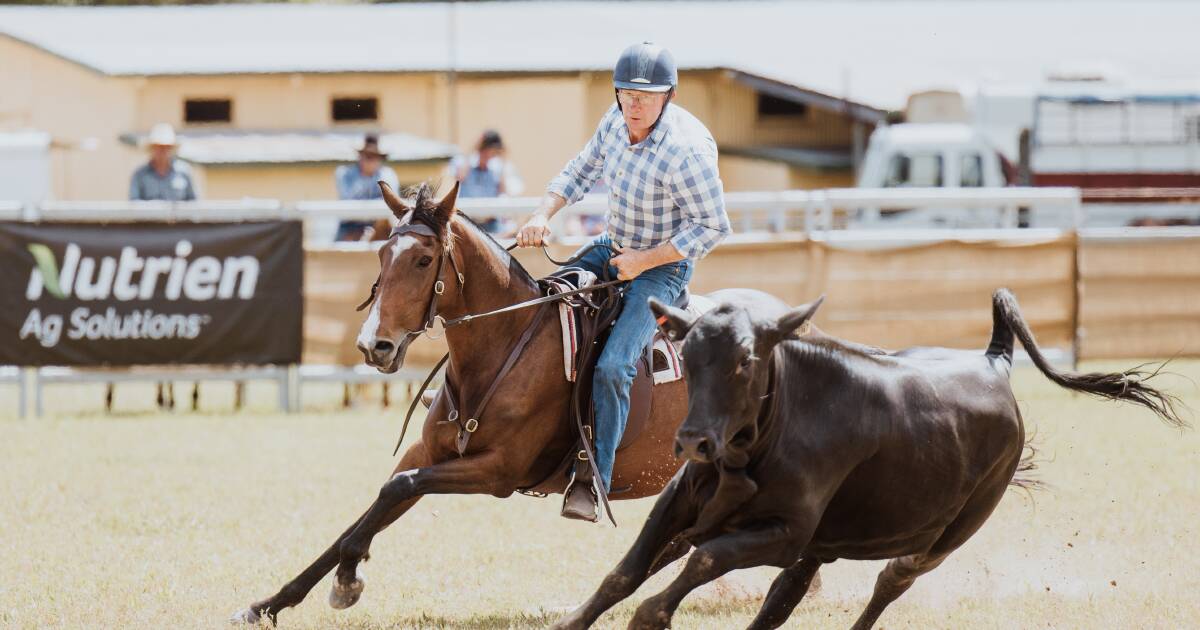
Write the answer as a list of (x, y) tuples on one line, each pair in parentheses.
[(379, 353), (698, 446)]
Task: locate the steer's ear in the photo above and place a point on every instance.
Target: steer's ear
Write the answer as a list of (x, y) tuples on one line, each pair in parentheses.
[(676, 322), (792, 320)]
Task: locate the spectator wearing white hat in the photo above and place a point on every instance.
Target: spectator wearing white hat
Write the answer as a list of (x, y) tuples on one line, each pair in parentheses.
[(164, 177)]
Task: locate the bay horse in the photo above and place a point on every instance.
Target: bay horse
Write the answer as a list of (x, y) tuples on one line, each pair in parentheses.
[(521, 437), (806, 449)]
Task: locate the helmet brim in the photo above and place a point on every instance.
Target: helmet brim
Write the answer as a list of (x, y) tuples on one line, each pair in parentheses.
[(641, 87)]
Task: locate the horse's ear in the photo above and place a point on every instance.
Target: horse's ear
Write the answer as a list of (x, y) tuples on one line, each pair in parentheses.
[(445, 208), (790, 321), (399, 206), (677, 322)]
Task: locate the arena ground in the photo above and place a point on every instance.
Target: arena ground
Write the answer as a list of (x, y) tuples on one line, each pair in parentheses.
[(151, 520)]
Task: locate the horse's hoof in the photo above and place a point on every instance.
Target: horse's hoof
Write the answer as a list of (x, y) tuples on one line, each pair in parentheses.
[(246, 616), (342, 597)]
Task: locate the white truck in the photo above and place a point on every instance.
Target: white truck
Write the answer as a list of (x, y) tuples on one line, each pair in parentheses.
[(1131, 150)]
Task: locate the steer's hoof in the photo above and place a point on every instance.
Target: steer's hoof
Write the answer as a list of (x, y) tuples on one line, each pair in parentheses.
[(650, 618), (572, 621), (246, 616), (342, 597)]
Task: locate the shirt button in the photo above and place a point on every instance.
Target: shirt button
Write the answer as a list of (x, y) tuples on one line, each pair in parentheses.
[(620, 173)]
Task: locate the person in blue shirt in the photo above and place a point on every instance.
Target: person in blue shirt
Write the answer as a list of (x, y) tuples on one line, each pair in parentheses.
[(164, 177), (361, 181), (666, 211), (488, 173)]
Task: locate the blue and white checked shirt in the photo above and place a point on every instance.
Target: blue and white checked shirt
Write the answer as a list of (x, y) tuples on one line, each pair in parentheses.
[(664, 188)]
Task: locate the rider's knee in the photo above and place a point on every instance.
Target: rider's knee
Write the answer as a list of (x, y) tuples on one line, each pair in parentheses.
[(613, 373)]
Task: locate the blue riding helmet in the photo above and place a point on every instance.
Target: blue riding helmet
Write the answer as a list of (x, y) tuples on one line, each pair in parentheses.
[(646, 67)]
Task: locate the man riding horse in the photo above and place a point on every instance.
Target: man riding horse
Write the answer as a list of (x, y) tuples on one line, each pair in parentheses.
[(666, 210)]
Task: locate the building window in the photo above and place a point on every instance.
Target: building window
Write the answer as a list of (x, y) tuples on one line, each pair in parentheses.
[(774, 106), (353, 109), (207, 110)]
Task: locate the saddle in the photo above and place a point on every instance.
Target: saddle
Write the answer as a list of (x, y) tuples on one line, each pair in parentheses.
[(586, 322)]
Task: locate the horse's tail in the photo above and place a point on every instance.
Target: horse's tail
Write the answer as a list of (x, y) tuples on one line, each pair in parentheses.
[(1128, 385)]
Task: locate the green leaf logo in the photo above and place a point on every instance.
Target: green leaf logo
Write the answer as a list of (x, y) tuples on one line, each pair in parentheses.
[(48, 266)]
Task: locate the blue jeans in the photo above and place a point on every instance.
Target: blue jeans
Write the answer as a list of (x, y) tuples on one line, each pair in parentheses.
[(632, 331)]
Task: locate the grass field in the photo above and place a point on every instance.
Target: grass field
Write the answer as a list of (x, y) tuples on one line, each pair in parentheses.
[(152, 520)]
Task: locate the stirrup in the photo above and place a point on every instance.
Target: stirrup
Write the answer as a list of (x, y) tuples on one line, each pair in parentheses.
[(580, 501)]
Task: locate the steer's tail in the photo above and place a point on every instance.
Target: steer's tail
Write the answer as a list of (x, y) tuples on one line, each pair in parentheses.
[(1128, 385)]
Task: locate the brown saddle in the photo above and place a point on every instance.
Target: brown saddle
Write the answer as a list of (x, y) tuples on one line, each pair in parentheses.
[(593, 320)]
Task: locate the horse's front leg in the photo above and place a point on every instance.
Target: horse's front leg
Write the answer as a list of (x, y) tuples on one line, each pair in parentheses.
[(298, 588), (773, 544), (673, 511), (478, 474)]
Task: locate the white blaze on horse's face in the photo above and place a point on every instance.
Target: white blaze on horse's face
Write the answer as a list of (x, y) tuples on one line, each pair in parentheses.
[(370, 328)]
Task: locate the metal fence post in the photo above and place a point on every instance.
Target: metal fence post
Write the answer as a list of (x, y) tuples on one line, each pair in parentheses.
[(22, 392), (37, 391), (284, 394), (294, 386)]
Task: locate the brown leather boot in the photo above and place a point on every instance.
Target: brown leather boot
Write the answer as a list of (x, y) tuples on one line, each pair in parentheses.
[(580, 502)]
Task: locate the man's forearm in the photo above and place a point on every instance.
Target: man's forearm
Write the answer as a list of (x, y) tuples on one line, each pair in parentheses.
[(663, 254), (551, 204)]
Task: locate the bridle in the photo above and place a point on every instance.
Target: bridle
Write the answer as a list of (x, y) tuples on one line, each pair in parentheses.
[(433, 321)]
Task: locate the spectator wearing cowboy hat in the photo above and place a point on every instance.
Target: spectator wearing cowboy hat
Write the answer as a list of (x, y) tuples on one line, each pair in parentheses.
[(488, 173), (164, 177), (361, 181)]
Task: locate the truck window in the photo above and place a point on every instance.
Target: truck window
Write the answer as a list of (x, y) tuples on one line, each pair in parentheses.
[(970, 170), (917, 170)]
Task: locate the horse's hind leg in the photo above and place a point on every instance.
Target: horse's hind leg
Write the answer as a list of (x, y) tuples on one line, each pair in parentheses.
[(298, 588), (785, 594), (656, 546)]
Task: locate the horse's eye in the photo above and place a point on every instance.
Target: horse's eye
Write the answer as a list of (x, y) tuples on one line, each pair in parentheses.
[(744, 364), (424, 262)]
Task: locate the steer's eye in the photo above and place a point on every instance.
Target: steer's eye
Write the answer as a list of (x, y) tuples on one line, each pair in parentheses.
[(425, 261), (744, 364)]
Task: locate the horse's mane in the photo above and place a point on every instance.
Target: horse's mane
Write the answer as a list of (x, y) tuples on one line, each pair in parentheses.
[(425, 212)]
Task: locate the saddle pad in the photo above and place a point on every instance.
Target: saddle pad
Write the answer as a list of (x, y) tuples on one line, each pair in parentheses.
[(667, 371)]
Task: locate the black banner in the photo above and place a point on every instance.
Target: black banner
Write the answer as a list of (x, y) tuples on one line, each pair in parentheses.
[(150, 293)]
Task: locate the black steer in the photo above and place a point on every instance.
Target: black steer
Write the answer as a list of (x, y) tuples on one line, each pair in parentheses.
[(806, 449)]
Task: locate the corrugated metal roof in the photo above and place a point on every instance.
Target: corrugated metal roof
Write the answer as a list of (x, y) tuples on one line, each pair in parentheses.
[(291, 147), (871, 52)]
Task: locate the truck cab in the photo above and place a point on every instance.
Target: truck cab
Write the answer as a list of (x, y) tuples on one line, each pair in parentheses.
[(929, 155)]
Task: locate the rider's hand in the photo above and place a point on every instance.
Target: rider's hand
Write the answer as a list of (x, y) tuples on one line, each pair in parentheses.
[(629, 263), (534, 232)]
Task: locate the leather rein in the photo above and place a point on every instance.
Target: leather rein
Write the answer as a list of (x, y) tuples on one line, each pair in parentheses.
[(435, 326)]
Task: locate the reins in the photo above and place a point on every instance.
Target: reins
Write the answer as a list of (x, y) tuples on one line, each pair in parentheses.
[(435, 322)]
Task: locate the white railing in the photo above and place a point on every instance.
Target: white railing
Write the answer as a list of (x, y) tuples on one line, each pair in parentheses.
[(787, 210)]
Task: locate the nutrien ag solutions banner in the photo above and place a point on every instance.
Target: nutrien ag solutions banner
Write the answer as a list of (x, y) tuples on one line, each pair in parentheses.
[(150, 293)]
